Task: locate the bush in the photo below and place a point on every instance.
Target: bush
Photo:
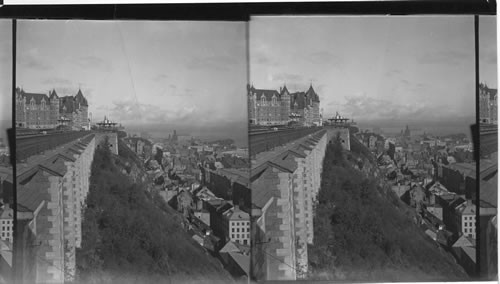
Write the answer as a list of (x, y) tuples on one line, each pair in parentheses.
[(361, 232), (126, 232)]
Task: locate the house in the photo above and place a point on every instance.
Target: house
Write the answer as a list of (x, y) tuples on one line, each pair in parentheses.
[(466, 218), (184, 202), (239, 225), (236, 261), (203, 215), (465, 252), (436, 210), (7, 223)]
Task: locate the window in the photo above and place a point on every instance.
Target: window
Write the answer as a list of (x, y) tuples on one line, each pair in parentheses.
[(238, 236), (232, 236), (263, 100), (238, 230), (232, 230)]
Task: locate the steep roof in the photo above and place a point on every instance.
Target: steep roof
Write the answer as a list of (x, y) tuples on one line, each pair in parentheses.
[(312, 94), (268, 94), (34, 96), (66, 105), (235, 214), (299, 98), (53, 94), (80, 99), (491, 92), (284, 90)]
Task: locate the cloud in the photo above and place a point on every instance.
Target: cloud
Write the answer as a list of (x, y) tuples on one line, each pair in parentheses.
[(57, 81), (324, 57), (363, 107), (33, 63), (92, 62), (133, 113), (444, 57), (287, 77), (393, 72), (160, 78), (262, 59), (217, 62)]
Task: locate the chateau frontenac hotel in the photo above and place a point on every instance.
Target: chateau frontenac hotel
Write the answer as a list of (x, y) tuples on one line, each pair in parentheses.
[(37, 110), (272, 107)]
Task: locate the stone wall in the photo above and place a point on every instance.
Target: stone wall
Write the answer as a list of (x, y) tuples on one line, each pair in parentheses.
[(53, 186), (112, 140), (284, 186), (333, 131)]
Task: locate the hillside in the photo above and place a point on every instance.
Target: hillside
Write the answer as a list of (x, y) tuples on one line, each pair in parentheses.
[(363, 232), (127, 238)]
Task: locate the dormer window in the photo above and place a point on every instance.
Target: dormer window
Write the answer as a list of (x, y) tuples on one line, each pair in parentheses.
[(274, 100), (32, 103), (263, 100), (43, 104)]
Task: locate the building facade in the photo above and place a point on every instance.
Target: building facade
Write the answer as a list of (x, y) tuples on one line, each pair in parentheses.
[(272, 107), (239, 225), (488, 104), (37, 110), (7, 222)]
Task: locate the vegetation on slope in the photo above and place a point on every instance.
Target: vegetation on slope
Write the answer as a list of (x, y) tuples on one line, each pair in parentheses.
[(131, 237), (362, 232)]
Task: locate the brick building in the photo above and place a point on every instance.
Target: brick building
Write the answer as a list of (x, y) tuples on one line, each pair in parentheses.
[(38, 110), (488, 104), (272, 107)]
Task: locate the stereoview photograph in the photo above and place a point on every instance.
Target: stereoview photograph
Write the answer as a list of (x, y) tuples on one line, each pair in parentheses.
[(361, 148), (132, 155)]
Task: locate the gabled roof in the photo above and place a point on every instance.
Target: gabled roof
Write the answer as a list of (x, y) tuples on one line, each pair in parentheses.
[(80, 99), (230, 247), (268, 94), (312, 94), (32, 194), (284, 90), (235, 214), (491, 92), (463, 241), (53, 94), (298, 98), (37, 98)]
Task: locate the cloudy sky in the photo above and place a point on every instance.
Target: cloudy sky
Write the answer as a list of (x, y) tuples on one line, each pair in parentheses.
[(383, 69), (5, 76), (151, 76), (488, 51)]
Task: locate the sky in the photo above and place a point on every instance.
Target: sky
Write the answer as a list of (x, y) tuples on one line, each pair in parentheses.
[(150, 76), (5, 77), (488, 51), (383, 70)]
